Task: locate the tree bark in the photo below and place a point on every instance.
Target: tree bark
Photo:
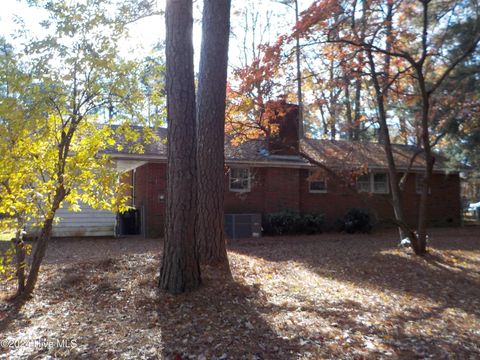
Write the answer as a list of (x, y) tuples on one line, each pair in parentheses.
[(403, 228), (420, 247), (210, 133), (38, 255), (180, 270), (348, 110), (45, 234), (20, 260), (299, 77)]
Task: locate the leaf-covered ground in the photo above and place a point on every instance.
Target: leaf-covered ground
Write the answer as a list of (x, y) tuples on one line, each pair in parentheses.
[(327, 296)]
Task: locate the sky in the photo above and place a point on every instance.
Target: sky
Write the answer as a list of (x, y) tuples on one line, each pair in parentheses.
[(147, 32)]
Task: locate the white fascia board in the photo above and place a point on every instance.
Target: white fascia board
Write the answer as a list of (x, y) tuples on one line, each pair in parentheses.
[(282, 164)]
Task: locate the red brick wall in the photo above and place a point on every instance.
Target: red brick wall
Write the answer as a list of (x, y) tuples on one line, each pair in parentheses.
[(444, 202), (150, 186), (338, 199), (276, 189), (444, 206), (247, 202), (282, 188)]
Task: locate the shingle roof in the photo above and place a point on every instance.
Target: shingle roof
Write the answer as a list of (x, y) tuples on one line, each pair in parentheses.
[(331, 153), (252, 151), (336, 153)]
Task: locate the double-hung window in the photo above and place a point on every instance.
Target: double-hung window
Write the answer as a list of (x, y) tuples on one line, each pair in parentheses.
[(376, 182), (317, 183), (380, 183), (363, 183), (419, 183), (239, 179)]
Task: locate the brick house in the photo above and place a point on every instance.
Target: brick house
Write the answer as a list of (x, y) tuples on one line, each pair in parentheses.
[(264, 177)]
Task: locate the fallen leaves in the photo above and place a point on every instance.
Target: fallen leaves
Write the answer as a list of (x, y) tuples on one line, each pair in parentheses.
[(327, 296)]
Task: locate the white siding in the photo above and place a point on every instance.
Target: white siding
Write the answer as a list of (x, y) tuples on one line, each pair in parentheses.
[(87, 222)]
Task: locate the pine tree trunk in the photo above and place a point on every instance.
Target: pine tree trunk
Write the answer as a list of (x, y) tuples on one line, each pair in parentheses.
[(180, 270), (210, 133)]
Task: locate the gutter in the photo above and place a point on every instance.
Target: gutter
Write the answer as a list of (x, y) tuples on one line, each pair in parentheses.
[(275, 164)]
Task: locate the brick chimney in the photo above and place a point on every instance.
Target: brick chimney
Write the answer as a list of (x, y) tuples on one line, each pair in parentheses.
[(283, 118)]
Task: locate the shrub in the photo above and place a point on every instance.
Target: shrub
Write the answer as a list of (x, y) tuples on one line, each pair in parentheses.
[(292, 222), (311, 223), (283, 222), (356, 220)]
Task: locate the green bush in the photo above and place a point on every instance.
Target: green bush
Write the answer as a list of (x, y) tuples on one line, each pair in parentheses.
[(355, 220), (311, 223), (292, 222)]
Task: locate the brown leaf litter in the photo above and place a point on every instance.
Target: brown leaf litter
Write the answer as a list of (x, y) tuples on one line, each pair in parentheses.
[(312, 297)]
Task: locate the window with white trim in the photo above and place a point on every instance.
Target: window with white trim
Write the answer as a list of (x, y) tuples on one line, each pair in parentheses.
[(316, 183), (240, 179), (376, 182), (380, 183), (363, 183), (419, 183)]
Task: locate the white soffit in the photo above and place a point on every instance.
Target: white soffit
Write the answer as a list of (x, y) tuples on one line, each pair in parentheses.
[(127, 165)]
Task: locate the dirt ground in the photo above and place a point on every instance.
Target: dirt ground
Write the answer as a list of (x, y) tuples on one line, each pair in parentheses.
[(311, 297)]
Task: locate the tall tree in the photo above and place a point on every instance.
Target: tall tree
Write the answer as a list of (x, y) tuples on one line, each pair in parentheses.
[(180, 270), (70, 76), (210, 133), (403, 51), (419, 41)]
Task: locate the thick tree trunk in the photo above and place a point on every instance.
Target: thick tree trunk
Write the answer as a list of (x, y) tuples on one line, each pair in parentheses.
[(180, 269), (210, 133)]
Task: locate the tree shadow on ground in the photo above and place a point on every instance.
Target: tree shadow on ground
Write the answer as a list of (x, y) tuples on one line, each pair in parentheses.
[(349, 329), (10, 311), (73, 250), (466, 238), (223, 319), (112, 308), (370, 261)]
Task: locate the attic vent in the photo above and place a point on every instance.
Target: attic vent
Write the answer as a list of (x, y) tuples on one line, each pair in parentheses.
[(239, 226)]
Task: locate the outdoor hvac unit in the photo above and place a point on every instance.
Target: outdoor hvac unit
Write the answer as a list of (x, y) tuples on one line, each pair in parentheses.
[(239, 226)]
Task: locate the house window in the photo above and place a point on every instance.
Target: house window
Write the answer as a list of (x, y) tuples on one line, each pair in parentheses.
[(240, 179), (373, 182), (363, 183), (419, 183), (380, 183), (317, 184)]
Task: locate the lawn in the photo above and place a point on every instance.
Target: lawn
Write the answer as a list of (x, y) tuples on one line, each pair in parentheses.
[(327, 296)]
